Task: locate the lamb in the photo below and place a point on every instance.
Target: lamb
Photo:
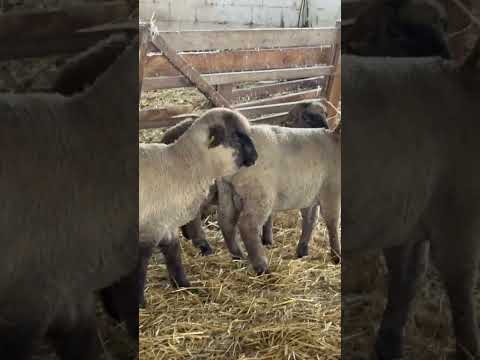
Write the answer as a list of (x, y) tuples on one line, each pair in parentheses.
[(174, 180), (309, 114), (60, 246), (421, 175), (247, 198)]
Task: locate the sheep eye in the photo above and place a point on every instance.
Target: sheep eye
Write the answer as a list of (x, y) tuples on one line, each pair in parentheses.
[(216, 136)]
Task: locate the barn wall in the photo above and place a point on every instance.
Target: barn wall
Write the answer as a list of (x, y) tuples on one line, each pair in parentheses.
[(236, 13)]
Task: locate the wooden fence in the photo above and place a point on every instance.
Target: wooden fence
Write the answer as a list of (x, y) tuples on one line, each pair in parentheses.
[(58, 31), (304, 63)]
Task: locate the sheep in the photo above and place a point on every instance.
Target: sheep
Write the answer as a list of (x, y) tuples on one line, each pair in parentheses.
[(418, 176), (247, 198), (174, 180), (399, 28), (308, 114), (60, 246)]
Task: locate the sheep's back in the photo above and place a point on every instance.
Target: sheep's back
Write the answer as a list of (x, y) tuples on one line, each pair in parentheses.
[(292, 165)]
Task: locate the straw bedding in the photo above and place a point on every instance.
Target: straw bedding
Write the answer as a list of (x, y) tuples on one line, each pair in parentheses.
[(429, 334), (231, 314)]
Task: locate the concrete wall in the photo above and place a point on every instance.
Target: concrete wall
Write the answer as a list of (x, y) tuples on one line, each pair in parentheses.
[(207, 14)]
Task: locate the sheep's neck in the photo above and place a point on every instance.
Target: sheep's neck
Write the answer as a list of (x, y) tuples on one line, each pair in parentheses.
[(188, 156)]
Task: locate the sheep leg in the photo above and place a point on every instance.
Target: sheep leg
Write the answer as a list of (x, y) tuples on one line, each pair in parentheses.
[(194, 231), (457, 264), (267, 232), (227, 219), (121, 302), (250, 224), (76, 338), (406, 265), (144, 255), (173, 259), (309, 220), (330, 209)]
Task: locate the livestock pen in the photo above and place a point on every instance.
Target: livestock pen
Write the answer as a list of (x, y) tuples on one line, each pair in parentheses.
[(229, 313)]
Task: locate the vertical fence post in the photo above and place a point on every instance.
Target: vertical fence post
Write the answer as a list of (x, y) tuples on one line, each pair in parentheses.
[(333, 89)]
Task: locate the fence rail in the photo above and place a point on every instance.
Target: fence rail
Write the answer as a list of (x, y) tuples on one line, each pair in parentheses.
[(303, 62)]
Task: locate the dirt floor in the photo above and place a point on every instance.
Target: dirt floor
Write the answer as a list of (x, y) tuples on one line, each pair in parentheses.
[(232, 314)]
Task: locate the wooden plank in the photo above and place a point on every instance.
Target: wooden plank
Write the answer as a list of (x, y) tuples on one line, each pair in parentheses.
[(191, 73), (166, 82), (154, 114), (62, 44), (168, 121), (162, 122), (335, 61), (240, 60), (303, 95), (335, 91), (142, 55), (117, 26), (226, 90), (197, 40), (284, 86), (54, 22), (256, 111), (275, 119)]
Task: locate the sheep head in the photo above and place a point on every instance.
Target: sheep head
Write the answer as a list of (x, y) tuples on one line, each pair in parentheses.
[(310, 114), (222, 137)]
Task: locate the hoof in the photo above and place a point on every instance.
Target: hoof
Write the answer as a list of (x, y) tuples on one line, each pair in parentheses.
[(238, 256), (334, 258), (261, 267), (302, 251), (180, 283), (206, 250), (389, 346), (263, 272), (267, 241)]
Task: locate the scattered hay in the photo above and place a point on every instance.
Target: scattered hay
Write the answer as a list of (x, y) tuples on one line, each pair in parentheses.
[(231, 314), (429, 334)]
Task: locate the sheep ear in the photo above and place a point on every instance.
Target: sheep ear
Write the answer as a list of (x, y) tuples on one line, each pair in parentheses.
[(216, 136)]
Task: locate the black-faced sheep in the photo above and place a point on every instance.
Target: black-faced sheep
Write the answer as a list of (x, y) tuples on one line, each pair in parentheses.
[(247, 198), (174, 180), (309, 114), (69, 221), (418, 176)]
